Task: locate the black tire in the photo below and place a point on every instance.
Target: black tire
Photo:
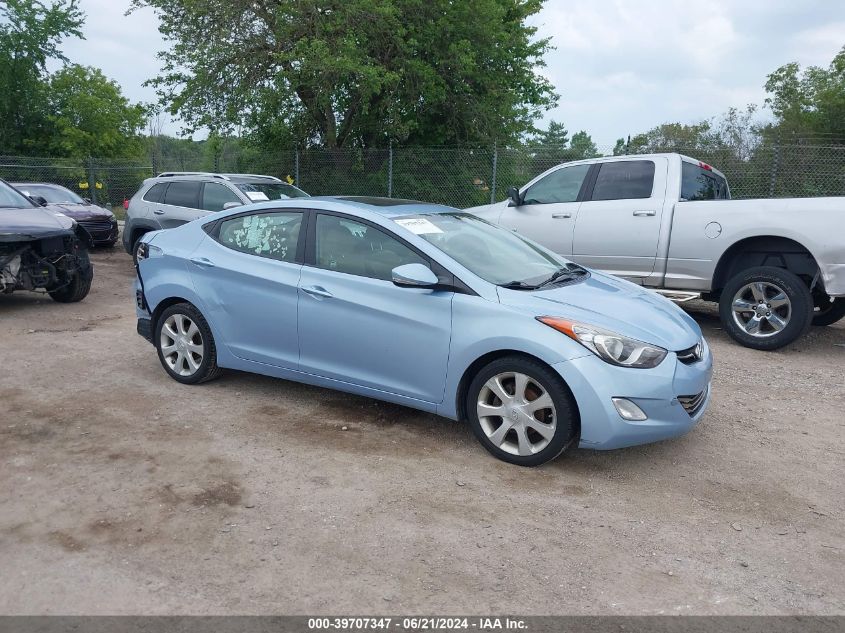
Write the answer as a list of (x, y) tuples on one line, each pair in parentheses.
[(565, 410), (207, 369), (829, 312), (135, 243), (800, 308), (78, 287)]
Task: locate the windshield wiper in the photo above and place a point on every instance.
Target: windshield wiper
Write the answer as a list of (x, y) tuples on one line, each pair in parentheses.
[(560, 273), (518, 285)]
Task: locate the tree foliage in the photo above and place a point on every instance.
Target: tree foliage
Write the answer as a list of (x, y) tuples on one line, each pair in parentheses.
[(811, 101), (30, 34), (91, 117), (355, 72)]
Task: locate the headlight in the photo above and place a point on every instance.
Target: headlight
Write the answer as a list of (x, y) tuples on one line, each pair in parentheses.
[(609, 346)]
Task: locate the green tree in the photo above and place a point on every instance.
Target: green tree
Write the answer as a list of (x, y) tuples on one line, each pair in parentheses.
[(555, 135), (811, 101), (355, 72), (582, 146), (30, 34), (91, 117)]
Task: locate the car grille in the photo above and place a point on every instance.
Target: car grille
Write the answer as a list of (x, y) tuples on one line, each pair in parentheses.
[(691, 354), (97, 226), (693, 404)]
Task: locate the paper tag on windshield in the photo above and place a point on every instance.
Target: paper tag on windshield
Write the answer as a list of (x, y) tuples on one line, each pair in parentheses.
[(418, 226), (257, 196)]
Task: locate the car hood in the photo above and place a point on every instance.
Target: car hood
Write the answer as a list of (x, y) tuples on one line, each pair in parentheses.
[(80, 212), (614, 304), (32, 223)]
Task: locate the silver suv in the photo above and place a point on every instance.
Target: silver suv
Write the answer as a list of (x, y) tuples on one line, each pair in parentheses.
[(174, 198)]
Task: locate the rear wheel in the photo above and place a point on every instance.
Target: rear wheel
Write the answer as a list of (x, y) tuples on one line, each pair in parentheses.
[(521, 411), (185, 345), (136, 249), (765, 307), (828, 311)]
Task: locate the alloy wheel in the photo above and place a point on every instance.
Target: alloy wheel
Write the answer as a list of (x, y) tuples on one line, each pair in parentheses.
[(761, 308), (181, 345), (516, 413)]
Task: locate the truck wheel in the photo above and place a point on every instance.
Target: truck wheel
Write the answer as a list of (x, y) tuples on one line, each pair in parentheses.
[(521, 411), (77, 289), (766, 307), (829, 312)]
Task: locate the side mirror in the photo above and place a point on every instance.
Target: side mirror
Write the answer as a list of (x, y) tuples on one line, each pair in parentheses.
[(231, 205), (87, 200), (39, 200), (515, 198), (414, 276)]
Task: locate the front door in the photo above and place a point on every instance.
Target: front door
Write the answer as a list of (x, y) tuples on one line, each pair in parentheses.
[(356, 326), (247, 274), (550, 206)]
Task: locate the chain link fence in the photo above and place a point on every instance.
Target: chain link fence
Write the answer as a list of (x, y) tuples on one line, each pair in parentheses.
[(459, 177)]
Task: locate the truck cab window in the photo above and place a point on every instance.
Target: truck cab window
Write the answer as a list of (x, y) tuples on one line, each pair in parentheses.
[(624, 180), (562, 185), (698, 183)]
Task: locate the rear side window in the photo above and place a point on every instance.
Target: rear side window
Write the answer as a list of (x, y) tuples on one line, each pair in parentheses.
[(562, 185), (698, 183), (624, 180), (215, 196), (156, 192), (272, 235), (183, 194)]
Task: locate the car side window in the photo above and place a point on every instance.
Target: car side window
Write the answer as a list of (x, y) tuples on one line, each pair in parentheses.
[(156, 192), (183, 193), (624, 180), (273, 235), (215, 196), (351, 247), (562, 185)]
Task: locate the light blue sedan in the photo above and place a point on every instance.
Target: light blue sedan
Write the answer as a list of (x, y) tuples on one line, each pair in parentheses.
[(428, 307)]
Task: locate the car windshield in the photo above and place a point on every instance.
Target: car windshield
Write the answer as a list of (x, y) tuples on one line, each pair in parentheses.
[(491, 252), (11, 199), (52, 194), (259, 191)]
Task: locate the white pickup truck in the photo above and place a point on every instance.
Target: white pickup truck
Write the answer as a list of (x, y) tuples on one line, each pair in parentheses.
[(666, 221)]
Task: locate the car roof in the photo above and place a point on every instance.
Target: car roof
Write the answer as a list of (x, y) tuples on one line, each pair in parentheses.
[(38, 184), (387, 207)]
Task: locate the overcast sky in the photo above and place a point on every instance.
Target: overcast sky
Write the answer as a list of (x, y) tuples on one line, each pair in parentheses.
[(620, 66)]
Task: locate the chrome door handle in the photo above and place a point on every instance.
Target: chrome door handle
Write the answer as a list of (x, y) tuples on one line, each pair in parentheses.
[(561, 216), (317, 291), (202, 261), (158, 212), (643, 214)]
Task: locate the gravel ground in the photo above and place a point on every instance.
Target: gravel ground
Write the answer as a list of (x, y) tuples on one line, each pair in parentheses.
[(125, 492)]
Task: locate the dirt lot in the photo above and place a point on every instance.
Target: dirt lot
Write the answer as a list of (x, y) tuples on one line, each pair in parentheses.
[(125, 492)]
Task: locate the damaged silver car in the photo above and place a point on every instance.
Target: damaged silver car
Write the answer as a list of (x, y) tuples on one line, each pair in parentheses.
[(42, 250)]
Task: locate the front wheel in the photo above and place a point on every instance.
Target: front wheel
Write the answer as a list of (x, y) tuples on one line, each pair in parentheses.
[(829, 311), (185, 345), (765, 307), (521, 411), (77, 288)]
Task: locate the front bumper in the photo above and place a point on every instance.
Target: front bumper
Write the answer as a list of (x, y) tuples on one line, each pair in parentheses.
[(101, 231), (656, 391)]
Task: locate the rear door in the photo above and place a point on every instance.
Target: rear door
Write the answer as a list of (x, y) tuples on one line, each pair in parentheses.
[(550, 206), (618, 224), (247, 272), (180, 204)]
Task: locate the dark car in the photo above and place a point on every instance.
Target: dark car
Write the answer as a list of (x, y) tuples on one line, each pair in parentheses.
[(99, 222), (41, 249)]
